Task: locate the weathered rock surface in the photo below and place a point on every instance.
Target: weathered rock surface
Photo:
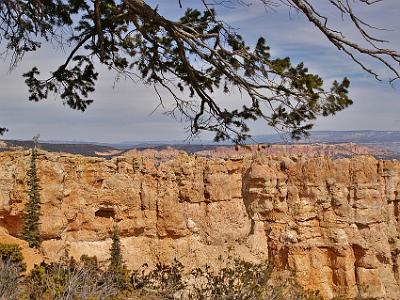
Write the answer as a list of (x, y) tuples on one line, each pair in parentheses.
[(335, 223), (306, 150)]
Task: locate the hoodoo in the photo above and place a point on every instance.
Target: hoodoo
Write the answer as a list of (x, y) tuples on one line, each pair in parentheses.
[(335, 223)]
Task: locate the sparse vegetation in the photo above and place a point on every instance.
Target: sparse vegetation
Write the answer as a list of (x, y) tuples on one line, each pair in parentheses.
[(11, 266), (31, 221), (12, 253), (240, 280), (164, 281), (10, 277), (69, 279)]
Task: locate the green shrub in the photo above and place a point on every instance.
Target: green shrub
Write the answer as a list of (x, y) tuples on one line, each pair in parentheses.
[(13, 254), (70, 279), (241, 280), (165, 280), (11, 266)]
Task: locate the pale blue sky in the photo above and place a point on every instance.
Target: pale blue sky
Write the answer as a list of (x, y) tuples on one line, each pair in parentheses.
[(123, 112)]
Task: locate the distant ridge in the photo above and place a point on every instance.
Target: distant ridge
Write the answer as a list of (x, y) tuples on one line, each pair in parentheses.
[(321, 136), (383, 144), (387, 139), (74, 148), (350, 136)]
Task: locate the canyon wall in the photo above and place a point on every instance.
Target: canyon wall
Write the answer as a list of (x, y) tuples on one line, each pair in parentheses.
[(335, 223)]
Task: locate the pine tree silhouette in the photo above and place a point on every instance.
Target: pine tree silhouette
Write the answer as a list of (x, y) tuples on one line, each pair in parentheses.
[(117, 269), (31, 221), (116, 263)]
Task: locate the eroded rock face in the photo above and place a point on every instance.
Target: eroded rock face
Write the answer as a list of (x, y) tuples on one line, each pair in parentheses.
[(335, 223)]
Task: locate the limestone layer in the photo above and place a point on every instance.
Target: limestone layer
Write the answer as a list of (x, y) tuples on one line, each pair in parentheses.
[(335, 223)]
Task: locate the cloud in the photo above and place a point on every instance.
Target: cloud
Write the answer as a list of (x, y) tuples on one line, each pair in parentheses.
[(124, 112)]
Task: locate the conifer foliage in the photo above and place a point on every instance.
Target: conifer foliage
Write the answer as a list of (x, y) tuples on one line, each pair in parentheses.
[(116, 269), (192, 57), (31, 222), (115, 251)]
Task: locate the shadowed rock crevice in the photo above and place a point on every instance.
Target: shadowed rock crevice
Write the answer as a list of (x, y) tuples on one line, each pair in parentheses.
[(105, 212), (13, 224)]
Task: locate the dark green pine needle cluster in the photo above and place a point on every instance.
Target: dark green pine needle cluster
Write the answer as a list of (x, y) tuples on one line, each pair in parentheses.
[(190, 58)]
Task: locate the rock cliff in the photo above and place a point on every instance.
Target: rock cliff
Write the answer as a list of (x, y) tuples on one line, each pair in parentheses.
[(336, 223)]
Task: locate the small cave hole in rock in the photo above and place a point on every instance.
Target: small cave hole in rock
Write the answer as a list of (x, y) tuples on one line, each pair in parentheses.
[(105, 212)]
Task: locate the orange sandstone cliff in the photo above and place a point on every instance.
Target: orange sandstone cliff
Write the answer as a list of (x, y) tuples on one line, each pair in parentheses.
[(336, 223)]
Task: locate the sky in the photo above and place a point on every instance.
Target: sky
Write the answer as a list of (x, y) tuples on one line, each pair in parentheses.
[(124, 110)]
